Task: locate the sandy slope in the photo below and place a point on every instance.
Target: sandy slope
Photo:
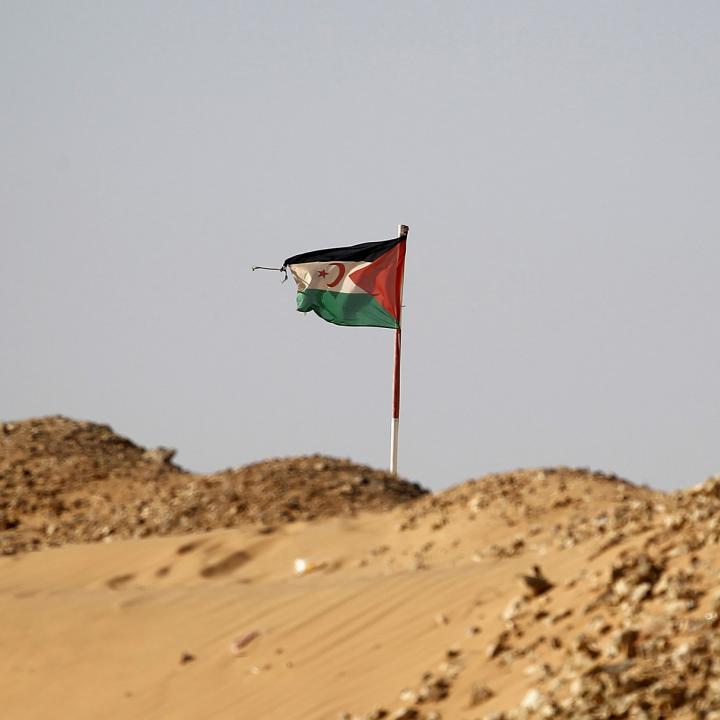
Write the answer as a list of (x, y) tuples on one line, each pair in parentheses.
[(92, 631)]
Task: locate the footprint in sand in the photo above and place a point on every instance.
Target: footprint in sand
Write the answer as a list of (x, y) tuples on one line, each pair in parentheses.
[(163, 571), (119, 580), (227, 564), (189, 547)]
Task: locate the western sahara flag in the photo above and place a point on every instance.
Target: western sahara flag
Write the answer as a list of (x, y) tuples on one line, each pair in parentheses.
[(360, 285)]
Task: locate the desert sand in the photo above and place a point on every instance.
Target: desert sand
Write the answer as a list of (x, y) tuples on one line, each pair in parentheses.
[(550, 592)]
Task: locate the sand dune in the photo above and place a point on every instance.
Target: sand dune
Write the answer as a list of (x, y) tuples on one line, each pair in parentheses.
[(419, 611)]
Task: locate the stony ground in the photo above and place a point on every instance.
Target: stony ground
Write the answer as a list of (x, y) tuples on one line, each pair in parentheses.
[(595, 598), (67, 481), (643, 640)]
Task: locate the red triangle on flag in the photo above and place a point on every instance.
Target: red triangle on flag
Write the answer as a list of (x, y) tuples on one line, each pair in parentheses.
[(383, 278)]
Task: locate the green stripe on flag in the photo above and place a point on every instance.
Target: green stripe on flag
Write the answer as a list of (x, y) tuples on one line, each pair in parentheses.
[(353, 309)]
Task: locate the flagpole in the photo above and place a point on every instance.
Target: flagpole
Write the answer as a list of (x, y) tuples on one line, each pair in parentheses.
[(395, 420)]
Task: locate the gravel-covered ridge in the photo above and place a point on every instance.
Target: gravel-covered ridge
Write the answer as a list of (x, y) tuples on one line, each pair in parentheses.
[(63, 481)]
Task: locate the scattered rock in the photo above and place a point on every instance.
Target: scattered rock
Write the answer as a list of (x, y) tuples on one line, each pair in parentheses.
[(536, 583), (513, 608), (498, 646), (434, 690), (303, 566), (239, 643), (377, 714), (479, 694), (626, 642), (408, 713), (533, 700), (408, 696)]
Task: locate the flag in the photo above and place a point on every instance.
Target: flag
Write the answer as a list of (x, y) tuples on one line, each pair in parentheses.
[(360, 285)]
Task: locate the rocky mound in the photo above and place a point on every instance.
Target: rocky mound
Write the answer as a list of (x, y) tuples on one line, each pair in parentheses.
[(650, 646), (67, 481), (633, 634), (528, 495), (45, 457)]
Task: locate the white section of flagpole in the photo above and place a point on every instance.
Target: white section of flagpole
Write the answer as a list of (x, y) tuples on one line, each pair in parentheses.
[(394, 430), (395, 420)]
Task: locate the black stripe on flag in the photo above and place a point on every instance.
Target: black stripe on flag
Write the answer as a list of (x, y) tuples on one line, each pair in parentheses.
[(354, 253)]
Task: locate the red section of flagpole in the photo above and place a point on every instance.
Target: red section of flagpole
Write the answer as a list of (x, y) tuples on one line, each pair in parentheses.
[(395, 420), (396, 376)]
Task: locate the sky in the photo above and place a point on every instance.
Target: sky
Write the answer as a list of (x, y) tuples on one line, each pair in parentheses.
[(557, 163)]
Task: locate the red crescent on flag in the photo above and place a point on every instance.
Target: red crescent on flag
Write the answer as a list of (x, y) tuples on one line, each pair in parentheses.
[(341, 274)]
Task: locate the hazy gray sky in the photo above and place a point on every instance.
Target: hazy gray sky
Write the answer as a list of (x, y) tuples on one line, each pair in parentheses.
[(558, 164)]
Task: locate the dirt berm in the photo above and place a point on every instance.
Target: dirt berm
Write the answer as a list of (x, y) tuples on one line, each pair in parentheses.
[(63, 480)]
